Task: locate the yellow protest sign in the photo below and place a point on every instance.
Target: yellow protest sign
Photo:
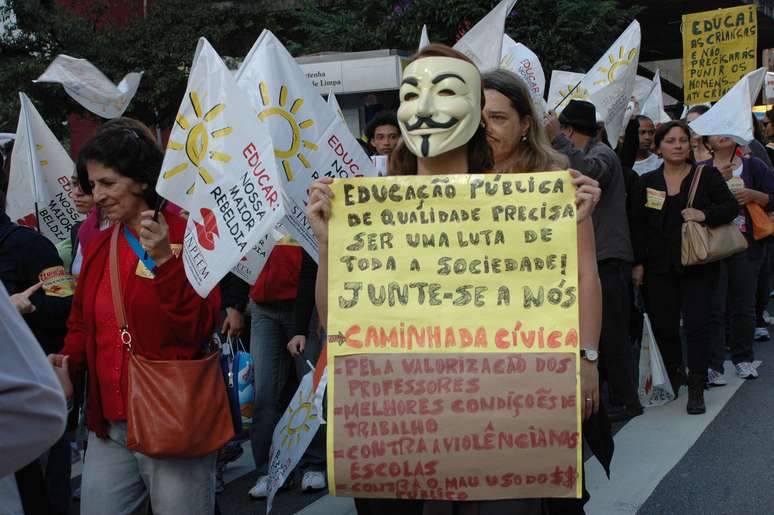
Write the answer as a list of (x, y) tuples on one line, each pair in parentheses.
[(453, 337), (719, 48)]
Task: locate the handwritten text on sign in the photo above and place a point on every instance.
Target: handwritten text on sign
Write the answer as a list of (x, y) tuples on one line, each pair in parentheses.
[(718, 49), (459, 291)]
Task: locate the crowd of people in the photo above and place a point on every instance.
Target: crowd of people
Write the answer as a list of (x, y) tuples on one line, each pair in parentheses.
[(631, 200)]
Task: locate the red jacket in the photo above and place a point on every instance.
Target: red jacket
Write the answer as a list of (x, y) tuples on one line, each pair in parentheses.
[(176, 328), (279, 278)]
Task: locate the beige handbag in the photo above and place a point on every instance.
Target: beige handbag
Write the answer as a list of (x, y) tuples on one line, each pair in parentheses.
[(702, 244)]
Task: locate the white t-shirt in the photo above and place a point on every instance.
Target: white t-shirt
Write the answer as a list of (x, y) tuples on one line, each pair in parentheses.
[(648, 164)]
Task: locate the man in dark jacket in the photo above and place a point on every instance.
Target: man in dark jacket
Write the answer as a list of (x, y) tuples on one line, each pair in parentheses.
[(573, 134)]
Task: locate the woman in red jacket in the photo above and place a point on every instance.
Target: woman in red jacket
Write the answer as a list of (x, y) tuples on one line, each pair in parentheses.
[(169, 321)]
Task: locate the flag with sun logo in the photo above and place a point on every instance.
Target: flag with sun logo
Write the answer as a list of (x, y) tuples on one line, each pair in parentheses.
[(522, 61), (295, 430), (610, 82), (310, 140), (562, 89), (219, 167), (39, 181)]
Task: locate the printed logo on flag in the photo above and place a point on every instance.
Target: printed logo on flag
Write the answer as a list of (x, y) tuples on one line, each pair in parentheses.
[(287, 149), (197, 140), (207, 231), (623, 58)]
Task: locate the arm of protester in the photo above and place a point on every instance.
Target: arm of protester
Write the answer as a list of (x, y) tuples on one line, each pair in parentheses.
[(51, 302), (723, 206), (75, 339), (596, 165), (304, 304), (590, 310), (763, 181), (639, 217), (192, 318), (33, 410), (233, 297), (318, 213)]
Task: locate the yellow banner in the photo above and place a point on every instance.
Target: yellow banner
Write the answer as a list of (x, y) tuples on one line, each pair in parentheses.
[(453, 337), (719, 48)]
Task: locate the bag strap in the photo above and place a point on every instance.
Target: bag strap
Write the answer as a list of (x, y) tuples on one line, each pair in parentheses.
[(694, 185), (115, 287)]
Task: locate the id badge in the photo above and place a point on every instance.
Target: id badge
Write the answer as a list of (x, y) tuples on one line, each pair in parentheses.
[(655, 199)]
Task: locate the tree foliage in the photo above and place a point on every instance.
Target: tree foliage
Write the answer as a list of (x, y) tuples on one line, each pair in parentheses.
[(565, 34)]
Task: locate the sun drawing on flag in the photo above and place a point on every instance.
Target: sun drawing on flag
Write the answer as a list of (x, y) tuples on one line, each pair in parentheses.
[(568, 93), (289, 115), (39, 148), (622, 59), (298, 421), (197, 140)]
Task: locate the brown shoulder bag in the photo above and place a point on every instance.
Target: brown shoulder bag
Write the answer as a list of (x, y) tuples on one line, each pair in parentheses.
[(702, 244), (175, 408)]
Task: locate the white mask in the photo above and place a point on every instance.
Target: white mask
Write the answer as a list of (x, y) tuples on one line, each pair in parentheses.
[(440, 105)]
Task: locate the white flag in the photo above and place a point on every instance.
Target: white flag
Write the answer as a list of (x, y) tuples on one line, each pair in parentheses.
[(309, 140), (563, 86), (334, 104), (610, 82), (292, 436), (769, 86), (731, 115), (523, 62), (424, 40), (40, 177), (219, 167), (89, 87), (483, 42), (652, 105)]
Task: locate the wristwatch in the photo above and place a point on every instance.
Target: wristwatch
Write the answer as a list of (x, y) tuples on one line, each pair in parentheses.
[(590, 355)]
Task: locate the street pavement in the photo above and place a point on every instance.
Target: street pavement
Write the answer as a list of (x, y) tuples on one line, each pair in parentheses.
[(666, 462)]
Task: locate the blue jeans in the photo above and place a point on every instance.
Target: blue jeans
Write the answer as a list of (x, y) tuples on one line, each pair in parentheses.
[(272, 327), (119, 480)]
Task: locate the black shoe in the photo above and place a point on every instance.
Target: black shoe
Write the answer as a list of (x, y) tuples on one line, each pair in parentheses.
[(676, 379), (623, 413), (696, 394)]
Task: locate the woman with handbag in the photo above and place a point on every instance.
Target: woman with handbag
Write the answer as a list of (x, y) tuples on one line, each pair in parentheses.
[(134, 314), (677, 194), (752, 183)]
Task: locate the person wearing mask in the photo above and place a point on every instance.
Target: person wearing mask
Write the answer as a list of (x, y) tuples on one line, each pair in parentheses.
[(463, 149), (273, 327), (383, 133), (750, 181), (33, 413), (645, 160), (700, 150), (572, 134), (169, 321), (669, 288)]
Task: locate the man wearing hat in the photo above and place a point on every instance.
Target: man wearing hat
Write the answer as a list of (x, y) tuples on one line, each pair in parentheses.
[(574, 135)]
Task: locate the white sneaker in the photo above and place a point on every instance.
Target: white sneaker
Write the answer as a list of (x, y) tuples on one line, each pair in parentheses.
[(261, 488), (715, 378), (761, 334), (753, 371), (767, 317), (745, 370), (313, 480)]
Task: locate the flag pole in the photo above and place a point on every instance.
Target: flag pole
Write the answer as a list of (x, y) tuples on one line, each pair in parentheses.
[(37, 218), (567, 95)]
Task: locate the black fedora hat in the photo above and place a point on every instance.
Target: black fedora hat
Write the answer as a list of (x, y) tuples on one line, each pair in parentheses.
[(580, 115)]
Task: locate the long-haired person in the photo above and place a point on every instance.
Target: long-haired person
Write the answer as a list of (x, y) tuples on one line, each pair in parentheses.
[(751, 182), (463, 149), (169, 321), (671, 289)]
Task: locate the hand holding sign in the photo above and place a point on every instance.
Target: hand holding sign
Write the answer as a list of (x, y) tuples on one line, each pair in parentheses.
[(586, 195), (589, 382), (318, 211), (154, 237), (22, 300)]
